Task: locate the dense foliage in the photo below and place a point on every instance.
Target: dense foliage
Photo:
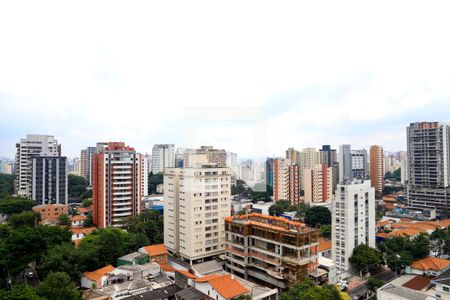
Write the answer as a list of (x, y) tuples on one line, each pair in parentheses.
[(153, 181), (260, 192), (280, 207), (147, 228), (365, 258), (15, 205), (6, 185), (306, 290), (396, 175), (318, 215), (77, 186)]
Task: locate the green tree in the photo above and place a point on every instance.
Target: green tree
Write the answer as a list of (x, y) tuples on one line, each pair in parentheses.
[(6, 185), (64, 220), (365, 257), (373, 284), (420, 246), (15, 205), (279, 207), (77, 186), (325, 231), (58, 286), (153, 181), (25, 218), (63, 258), (87, 202), (20, 292), (399, 260), (318, 215), (306, 290)]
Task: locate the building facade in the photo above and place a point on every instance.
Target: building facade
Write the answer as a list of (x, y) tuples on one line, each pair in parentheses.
[(293, 155), (196, 203), (328, 156), (117, 180), (86, 163), (163, 156), (377, 168), (428, 165), (270, 249), (49, 181), (318, 184), (28, 148), (352, 221), (286, 181), (360, 164), (345, 164), (269, 171)]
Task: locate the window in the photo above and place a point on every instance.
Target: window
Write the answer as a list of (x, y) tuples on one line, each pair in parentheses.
[(445, 288)]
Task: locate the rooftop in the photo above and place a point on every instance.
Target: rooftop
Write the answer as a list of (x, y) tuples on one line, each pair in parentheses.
[(431, 263), (97, 274), (155, 250), (277, 223), (131, 256), (191, 294), (403, 292)]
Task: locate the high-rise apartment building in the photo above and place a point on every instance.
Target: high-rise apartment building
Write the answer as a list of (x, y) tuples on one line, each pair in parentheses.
[(145, 164), (309, 157), (293, 155), (345, 164), (353, 221), (196, 202), (428, 165), (163, 156), (86, 163), (360, 164), (286, 181), (273, 250), (204, 155), (28, 148), (328, 156), (231, 159), (377, 168), (49, 181), (117, 180), (318, 183), (269, 171), (6, 167)]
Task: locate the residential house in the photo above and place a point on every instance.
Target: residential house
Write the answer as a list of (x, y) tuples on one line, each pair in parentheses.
[(428, 266), (135, 258), (97, 278), (157, 253), (77, 220)]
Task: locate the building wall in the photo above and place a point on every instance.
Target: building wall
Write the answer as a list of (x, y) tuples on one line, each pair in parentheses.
[(117, 185), (163, 156), (197, 200), (51, 212), (318, 184), (377, 168), (353, 221), (49, 181), (26, 149)]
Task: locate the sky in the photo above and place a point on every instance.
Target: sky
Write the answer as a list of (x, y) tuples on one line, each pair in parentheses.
[(253, 77)]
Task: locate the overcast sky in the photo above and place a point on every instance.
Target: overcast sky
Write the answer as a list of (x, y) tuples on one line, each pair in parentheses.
[(253, 77)]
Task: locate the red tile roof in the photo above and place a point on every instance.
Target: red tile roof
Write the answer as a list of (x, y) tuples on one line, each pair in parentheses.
[(78, 218), (155, 250), (431, 263), (208, 277), (97, 274), (187, 274), (418, 283), (227, 286), (167, 268)]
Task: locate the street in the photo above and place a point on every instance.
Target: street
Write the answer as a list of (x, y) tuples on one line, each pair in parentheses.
[(361, 290)]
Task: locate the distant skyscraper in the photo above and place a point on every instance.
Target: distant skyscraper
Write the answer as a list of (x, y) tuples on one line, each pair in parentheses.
[(269, 171), (33, 145), (6, 167), (293, 155), (345, 164), (328, 156), (428, 165), (231, 159), (318, 183), (286, 181), (353, 221), (49, 183), (377, 168), (86, 163), (196, 203), (360, 164), (117, 179), (163, 156), (204, 155), (309, 157)]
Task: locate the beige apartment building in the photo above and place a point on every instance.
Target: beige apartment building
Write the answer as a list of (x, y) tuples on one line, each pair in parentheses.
[(318, 183), (196, 203), (377, 168)]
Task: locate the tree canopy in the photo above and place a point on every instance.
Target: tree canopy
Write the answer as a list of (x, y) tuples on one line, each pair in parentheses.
[(318, 215), (365, 257), (15, 205), (6, 185), (77, 186), (58, 286), (153, 181), (306, 290)]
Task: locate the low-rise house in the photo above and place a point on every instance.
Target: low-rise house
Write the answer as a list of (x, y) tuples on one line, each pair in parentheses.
[(157, 253), (323, 249), (50, 212), (97, 278), (407, 287), (79, 233), (442, 283), (220, 287), (428, 266), (84, 211), (77, 220), (135, 258)]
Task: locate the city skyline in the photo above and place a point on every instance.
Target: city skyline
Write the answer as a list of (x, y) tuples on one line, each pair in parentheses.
[(294, 74)]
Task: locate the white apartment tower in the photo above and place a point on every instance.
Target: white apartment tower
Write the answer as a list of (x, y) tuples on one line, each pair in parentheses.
[(353, 221), (163, 156), (196, 203), (28, 148)]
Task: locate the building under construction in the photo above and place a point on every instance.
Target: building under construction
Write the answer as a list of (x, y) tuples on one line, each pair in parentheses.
[(272, 250)]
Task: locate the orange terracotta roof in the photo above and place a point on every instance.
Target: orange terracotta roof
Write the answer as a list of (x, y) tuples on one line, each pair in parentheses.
[(155, 250), (208, 277), (187, 274), (84, 209), (97, 274), (444, 223), (273, 218), (404, 232), (324, 245), (78, 218), (431, 263), (167, 268), (383, 223), (382, 234), (228, 287)]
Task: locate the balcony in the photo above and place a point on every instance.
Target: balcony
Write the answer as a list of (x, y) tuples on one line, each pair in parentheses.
[(235, 251), (264, 257)]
